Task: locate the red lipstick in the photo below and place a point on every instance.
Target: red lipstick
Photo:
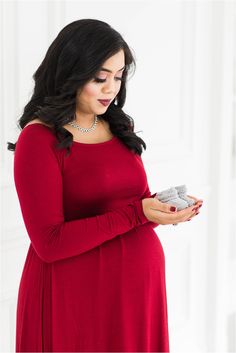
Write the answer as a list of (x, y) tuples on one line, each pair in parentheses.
[(104, 102)]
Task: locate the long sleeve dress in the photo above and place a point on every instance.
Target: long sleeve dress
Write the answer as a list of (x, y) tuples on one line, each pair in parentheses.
[(94, 274)]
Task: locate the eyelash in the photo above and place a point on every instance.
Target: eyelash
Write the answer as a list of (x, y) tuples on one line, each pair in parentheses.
[(100, 80)]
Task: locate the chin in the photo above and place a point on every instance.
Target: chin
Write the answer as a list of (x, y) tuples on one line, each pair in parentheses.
[(102, 110)]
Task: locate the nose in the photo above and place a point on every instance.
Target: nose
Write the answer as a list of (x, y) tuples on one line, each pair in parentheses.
[(109, 87)]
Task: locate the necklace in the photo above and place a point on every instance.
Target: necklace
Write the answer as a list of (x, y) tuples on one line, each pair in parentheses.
[(83, 129)]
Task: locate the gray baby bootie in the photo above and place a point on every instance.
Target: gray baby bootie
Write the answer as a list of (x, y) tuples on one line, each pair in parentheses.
[(171, 197), (182, 190)]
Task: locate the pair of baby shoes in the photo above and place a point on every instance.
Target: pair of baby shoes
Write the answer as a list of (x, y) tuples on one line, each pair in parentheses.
[(176, 196)]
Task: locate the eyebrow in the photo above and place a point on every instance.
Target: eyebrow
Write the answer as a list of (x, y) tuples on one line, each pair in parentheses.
[(104, 69)]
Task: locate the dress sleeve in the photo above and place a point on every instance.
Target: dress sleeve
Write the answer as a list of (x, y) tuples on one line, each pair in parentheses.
[(147, 194), (38, 182)]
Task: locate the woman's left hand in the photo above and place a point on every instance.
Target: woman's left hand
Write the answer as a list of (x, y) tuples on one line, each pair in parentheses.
[(197, 204)]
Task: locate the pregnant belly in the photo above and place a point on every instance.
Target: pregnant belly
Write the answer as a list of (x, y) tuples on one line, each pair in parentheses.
[(134, 256), (143, 251)]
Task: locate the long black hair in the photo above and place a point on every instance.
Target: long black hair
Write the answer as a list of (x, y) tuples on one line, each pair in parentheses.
[(73, 59)]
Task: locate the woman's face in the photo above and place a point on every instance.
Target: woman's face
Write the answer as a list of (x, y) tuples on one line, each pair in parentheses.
[(87, 101)]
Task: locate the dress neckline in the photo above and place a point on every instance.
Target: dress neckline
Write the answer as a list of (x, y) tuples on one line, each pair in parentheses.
[(96, 143), (77, 142)]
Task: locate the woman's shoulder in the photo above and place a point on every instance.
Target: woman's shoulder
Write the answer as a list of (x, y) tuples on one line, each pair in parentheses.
[(36, 121), (37, 126), (37, 142), (36, 132)]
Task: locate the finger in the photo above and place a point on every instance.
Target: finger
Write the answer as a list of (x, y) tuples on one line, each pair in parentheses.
[(195, 199), (163, 217), (195, 214), (177, 217), (185, 214), (163, 206), (192, 197)]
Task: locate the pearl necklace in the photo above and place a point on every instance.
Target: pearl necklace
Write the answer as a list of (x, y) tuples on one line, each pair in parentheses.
[(83, 129)]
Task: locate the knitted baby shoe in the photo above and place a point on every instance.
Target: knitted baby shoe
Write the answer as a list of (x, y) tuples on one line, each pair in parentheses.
[(182, 190), (171, 197)]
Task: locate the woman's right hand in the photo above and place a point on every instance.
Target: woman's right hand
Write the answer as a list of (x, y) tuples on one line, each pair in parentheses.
[(159, 212)]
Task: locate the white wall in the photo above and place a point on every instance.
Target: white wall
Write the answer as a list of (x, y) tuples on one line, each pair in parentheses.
[(183, 98)]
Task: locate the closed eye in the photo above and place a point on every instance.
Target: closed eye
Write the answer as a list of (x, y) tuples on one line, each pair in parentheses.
[(100, 80)]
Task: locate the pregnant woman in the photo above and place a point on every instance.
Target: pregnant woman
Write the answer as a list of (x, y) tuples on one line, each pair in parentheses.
[(94, 275)]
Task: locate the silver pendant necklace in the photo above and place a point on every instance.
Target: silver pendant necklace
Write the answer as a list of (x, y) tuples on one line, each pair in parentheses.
[(83, 129)]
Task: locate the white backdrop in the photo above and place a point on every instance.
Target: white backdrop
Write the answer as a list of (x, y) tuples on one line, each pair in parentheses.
[(183, 99)]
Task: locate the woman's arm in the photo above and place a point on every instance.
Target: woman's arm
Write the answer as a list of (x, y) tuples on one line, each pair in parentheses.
[(147, 193), (38, 183)]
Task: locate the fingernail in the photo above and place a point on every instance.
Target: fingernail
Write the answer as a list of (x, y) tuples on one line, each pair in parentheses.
[(200, 206), (197, 213), (194, 209), (189, 219), (173, 209)]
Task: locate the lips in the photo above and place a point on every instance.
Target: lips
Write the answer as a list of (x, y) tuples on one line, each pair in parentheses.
[(104, 101)]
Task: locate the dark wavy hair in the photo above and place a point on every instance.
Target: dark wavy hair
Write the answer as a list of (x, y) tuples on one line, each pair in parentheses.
[(74, 57)]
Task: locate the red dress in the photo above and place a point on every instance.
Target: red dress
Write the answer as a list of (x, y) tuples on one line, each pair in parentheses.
[(94, 275)]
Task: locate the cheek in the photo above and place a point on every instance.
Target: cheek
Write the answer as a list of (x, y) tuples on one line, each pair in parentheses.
[(91, 90)]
